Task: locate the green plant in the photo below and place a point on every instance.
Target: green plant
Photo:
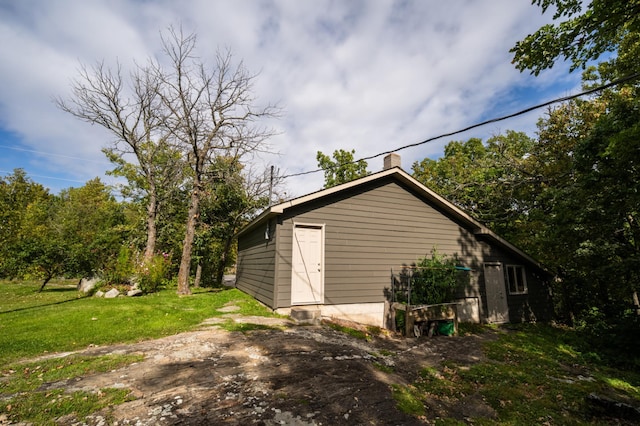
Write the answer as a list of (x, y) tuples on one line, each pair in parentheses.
[(120, 270), (408, 400), (383, 367), (153, 274), (434, 280), (358, 334)]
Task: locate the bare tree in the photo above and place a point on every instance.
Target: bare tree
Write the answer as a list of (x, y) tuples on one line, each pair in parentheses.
[(134, 115), (210, 114)]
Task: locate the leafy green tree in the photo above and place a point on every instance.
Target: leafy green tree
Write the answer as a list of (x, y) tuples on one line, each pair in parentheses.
[(591, 230), (342, 168), (485, 180), (92, 224), (586, 161), (584, 32), (23, 208), (229, 202), (157, 186)]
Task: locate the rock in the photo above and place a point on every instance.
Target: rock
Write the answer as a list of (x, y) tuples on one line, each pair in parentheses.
[(135, 292), (113, 293), (86, 285), (229, 280), (99, 293), (604, 406)]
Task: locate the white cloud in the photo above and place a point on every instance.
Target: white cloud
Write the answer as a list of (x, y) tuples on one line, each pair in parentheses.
[(365, 75)]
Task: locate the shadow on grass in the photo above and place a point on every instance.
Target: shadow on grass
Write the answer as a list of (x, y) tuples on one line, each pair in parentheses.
[(58, 290), (27, 308)]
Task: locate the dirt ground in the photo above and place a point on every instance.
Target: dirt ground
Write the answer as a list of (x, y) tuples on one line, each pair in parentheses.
[(291, 375)]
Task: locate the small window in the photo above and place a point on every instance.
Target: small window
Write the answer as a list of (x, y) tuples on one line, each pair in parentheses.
[(516, 279)]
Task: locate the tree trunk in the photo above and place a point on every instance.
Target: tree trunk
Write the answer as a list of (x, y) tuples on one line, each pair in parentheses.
[(152, 210), (196, 282), (222, 263), (185, 262), (46, 280)]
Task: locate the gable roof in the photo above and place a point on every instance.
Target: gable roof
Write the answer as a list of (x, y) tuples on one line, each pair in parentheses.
[(401, 176)]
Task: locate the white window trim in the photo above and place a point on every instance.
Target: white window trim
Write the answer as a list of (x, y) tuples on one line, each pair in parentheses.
[(523, 276)]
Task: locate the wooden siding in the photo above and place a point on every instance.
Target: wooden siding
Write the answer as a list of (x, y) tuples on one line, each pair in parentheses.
[(370, 229), (256, 264), (368, 232)]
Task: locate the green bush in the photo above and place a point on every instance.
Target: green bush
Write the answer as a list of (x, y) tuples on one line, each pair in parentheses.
[(434, 280), (120, 270), (153, 274)]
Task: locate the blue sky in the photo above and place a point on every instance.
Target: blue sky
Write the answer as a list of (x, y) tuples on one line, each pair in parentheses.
[(364, 75)]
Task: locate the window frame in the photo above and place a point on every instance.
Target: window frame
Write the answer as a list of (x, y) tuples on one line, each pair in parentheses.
[(523, 277)]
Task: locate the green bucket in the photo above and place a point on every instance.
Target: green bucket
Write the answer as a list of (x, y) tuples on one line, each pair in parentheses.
[(446, 328)]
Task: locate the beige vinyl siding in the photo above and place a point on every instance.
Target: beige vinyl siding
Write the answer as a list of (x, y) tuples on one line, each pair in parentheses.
[(368, 232), (256, 265)]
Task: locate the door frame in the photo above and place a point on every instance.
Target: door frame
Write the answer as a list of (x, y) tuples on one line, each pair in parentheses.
[(491, 297), (321, 228)]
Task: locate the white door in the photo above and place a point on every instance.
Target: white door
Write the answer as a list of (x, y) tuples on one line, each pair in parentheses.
[(496, 293), (306, 275)]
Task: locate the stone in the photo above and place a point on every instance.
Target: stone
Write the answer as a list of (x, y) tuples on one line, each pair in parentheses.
[(87, 284), (604, 406), (135, 292), (306, 315), (113, 293), (229, 280), (99, 293)]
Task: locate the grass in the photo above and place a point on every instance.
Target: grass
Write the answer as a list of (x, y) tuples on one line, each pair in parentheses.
[(535, 374), (60, 319), (25, 399)]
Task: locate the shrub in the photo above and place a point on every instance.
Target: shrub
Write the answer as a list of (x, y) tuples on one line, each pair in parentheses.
[(120, 270), (153, 274), (434, 280)]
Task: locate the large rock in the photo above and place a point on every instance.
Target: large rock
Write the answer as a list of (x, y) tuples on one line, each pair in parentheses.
[(111, 294), (99, 293), (87, 284), (134, 292), (229, 280)]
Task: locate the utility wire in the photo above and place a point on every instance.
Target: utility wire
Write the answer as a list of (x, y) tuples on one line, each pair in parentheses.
[(493, 120), (51, 154), (46, 177)]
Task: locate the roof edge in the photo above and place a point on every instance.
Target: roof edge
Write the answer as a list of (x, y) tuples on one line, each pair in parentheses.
[(476, 227)]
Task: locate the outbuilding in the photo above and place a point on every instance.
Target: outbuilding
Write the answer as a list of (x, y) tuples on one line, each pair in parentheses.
[(335, 250)]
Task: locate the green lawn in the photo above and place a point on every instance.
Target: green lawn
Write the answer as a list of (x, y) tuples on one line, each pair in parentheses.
[(60, 319)]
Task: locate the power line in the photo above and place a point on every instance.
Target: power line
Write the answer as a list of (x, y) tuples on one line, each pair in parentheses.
[(483, 123), (47, 177), (52, 154)]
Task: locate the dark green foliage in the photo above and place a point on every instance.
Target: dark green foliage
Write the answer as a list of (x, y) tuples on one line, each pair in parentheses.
[(434, 280), (584, 32), (153, 274), (484, 179), (342, 168)]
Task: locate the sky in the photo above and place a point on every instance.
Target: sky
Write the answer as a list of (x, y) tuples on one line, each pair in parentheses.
[(369, 75)]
